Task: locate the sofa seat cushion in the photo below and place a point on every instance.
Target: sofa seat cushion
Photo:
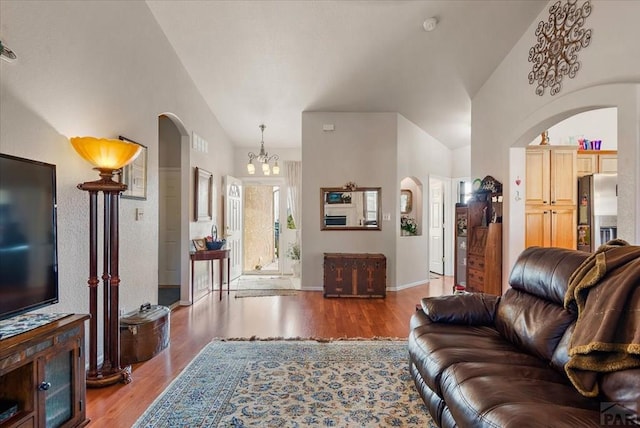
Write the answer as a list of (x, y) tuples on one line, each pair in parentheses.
[(497, 394), (434, 347)]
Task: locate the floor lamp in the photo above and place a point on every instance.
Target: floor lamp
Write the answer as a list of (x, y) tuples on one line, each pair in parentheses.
[(108, 156)]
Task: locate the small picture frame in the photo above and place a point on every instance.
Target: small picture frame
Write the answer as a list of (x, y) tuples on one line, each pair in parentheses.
[(134, 175), (200, 244), (406, 201), (334, 198), (203, 195)]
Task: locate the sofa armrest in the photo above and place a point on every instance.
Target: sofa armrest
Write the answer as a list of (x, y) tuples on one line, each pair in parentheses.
[(468, 309)]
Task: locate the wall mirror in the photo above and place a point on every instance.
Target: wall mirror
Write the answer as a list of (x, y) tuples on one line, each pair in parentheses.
[(350, 209), (406, 201)]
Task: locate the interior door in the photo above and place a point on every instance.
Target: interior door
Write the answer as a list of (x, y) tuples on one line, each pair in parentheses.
[(232, 223), (169, 227), (436, 226)]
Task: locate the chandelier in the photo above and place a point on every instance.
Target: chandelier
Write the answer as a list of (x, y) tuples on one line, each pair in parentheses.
[(264, 159)]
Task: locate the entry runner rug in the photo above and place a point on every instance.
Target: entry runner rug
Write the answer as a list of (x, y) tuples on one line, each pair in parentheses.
[(256, 286), (292, 384)]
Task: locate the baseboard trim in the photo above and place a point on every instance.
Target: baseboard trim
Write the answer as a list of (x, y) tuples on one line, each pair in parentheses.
[(396, 288), (409, 285)]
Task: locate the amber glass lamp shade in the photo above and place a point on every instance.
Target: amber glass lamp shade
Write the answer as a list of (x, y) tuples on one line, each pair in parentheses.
[(105, 154)]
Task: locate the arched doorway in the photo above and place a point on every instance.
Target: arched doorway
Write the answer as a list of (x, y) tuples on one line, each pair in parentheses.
[(621, 96), (172, 217)]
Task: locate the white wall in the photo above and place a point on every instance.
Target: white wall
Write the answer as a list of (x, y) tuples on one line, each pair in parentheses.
[(419, 155), (461, 162), (102, 69), (506, 112), (361, 149), (600, 124)]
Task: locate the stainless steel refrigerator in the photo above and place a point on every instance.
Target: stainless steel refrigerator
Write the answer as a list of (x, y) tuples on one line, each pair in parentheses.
[(597, 210)]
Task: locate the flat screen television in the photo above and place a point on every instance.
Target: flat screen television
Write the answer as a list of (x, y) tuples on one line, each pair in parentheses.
[(28, 235)]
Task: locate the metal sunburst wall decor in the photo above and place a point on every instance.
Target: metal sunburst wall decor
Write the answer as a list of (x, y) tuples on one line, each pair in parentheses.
[(555, 55)]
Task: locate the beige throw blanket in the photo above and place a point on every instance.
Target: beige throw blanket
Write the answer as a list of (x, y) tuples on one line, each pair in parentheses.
[(605, 289)]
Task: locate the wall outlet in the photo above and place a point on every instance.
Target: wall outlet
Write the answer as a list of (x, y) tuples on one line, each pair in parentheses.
[(139, 214)]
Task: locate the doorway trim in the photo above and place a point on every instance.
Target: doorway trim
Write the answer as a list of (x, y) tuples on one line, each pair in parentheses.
[(185, 162), (282, 209)]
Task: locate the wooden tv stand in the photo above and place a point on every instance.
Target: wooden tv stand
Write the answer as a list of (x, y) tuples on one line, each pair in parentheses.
[(42, 372)]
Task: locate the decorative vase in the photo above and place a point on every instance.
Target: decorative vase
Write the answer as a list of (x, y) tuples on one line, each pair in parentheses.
[(295, 268), (544, 138)]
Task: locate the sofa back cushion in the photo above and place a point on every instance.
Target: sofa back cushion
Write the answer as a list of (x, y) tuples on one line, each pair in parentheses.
[(545, 272), (531, 313), (531, 323)]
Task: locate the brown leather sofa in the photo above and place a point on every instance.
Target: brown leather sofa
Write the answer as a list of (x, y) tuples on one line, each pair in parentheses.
[(486, 361)]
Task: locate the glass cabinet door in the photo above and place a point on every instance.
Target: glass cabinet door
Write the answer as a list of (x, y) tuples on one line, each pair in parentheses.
[(58, 387)]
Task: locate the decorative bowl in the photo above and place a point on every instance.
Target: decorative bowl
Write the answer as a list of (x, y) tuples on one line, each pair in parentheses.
[(215, 245)]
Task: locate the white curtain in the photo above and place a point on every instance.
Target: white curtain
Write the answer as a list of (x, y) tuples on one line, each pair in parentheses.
[(293, 176)]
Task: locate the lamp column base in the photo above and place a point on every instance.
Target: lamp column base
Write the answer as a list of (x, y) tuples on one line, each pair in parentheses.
[(100, 379)]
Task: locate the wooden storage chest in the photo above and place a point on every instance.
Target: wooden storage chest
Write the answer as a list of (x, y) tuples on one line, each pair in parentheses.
[(355, 275), (143, 334)]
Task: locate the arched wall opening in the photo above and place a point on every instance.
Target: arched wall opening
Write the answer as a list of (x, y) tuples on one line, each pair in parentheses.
[(411, 201), (624, 97), (173, 209)]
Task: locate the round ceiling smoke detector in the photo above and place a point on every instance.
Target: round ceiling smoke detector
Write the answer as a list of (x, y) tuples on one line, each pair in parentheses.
[(430, 24)]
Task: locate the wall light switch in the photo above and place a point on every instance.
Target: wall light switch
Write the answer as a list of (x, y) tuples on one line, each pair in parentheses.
[(386, 216), (139, 214)]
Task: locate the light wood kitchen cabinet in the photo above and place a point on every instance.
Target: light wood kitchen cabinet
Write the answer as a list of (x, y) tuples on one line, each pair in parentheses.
[(551, 175), (551, 194), (550, 227), (608, 163), (597, 161)]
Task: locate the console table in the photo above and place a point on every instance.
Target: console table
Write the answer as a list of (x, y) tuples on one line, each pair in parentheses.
[(212, 255)]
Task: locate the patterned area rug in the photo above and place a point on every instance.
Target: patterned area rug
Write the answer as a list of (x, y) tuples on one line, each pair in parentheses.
[(292, 384), (258, 286)]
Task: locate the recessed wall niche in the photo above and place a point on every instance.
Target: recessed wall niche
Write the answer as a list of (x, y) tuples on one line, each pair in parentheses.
[(410, 197)]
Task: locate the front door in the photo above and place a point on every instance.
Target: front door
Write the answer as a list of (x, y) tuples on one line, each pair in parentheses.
[(232, 223)]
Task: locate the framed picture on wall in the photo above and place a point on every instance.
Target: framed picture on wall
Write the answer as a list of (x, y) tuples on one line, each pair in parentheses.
[(203, 193), (406, 201), (199, 244), (134, 175)]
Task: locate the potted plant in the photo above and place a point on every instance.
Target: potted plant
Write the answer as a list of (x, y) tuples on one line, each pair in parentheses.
[(293, 252), (408, 225)]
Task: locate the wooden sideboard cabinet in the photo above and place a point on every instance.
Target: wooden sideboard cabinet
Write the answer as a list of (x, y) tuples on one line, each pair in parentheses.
[(355, 275), (42, 375), (460, 239), (484, 250)]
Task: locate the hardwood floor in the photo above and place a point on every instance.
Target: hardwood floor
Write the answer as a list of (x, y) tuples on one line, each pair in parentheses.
[(305, 315)]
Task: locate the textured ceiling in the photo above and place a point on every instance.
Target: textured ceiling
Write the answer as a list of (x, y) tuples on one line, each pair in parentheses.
[(268, 61)]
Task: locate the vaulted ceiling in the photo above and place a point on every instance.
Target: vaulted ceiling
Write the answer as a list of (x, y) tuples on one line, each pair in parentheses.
[(268, 61)]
